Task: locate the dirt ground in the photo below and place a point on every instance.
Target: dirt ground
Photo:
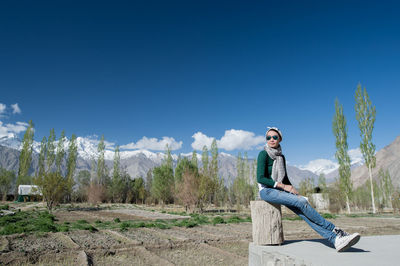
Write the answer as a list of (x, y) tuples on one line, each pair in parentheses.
[(222, 244)]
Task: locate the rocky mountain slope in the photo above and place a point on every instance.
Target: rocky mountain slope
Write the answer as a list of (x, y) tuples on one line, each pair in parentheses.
[(387, 158)]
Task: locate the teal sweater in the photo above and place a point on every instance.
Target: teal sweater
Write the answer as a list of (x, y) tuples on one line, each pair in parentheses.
[(264, 170)]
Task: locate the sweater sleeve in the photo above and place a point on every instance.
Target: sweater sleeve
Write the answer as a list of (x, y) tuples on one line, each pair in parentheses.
[(261, 167)]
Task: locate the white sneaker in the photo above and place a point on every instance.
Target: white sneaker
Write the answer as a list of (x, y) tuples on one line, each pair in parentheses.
[(343, 242), (340, 232)]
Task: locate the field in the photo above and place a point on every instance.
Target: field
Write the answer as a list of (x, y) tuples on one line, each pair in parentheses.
[(145, 235)]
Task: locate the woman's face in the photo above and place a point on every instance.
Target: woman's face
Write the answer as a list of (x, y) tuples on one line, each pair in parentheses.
[(273, 139)]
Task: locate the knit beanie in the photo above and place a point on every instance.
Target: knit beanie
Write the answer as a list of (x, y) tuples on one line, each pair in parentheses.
[(274, 129)]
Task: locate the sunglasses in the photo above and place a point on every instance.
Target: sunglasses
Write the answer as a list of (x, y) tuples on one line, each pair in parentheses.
[(274, 137)]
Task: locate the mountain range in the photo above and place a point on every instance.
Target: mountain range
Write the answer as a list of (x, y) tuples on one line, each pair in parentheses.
[(139, 162)]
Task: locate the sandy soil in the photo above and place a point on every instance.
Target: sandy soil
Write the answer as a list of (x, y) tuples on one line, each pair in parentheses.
[(223, 244)]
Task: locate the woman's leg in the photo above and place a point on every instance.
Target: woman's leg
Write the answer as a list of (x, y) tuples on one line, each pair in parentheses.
[(301, 207)]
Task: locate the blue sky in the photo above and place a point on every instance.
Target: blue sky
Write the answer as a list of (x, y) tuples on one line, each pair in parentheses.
[(171, 69)]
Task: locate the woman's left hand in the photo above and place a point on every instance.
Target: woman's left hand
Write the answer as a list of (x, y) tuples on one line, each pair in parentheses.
[(291, 189)]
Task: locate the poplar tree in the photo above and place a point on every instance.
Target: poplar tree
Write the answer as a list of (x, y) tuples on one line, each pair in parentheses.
[(246, 168), (339, 129), (204, 160), (42, 158), (101, 166), (194, 158), (183, 166), (117, 159), (386, 186), (365, 114), (322, 182), (168, 157), (163, 182), (25, 157), (217, 190), (149, 181), (6, 180), (163, 179), (93, 177), (71, 163), (60, 152), (51, 155), (214, 160), (117, 184), (255, 183), (239, 166)]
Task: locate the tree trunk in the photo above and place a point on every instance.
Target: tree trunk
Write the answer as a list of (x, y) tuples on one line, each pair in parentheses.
[(372, 189), (267, 223), (348, 204)]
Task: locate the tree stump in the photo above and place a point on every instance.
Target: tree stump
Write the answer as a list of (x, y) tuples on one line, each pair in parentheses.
[(267, 223)]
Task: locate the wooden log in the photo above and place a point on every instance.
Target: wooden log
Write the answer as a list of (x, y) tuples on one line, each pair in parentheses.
[(267, 223)]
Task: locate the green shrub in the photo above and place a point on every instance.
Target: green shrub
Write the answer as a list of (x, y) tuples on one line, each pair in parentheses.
[(188, 223), (162, 226), (200, 219), (117, 220), (218, 220), (124, 226), (328, 216), (234, 219), (25, 222), (4, 207), (63, 228), (138, 225)]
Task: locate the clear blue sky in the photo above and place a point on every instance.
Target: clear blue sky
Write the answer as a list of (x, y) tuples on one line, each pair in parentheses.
[(129, 69)]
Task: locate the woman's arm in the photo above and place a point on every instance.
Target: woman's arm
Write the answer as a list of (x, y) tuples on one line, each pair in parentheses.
[(261, 166)]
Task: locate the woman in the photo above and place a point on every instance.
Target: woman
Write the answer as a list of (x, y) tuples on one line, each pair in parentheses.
[(275, 187)]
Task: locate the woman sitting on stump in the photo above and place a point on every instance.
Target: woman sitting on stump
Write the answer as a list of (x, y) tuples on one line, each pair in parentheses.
[(275, 187)]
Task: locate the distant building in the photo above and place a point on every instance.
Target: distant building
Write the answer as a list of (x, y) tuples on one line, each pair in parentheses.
[(26, 192)]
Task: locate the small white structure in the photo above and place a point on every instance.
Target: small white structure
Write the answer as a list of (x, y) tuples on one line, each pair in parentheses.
[(28, 190), (321, 201)]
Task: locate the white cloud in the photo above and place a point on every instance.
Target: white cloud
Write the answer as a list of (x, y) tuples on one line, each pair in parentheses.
[(239, 139), (154, 144), (233, 139), (200, 140), (16, 109), (9, 130), (2, 108)]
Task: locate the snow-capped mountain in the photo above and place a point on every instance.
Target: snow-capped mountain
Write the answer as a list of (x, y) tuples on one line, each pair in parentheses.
[(136, 163), (139, 162), (329, 167), (87, 148), (11, 141), (320, 166)]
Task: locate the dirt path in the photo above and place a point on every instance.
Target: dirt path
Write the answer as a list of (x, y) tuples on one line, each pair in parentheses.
[(223, 244)]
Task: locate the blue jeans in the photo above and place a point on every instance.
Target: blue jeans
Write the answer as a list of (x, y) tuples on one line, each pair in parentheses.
[(302, 208)]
